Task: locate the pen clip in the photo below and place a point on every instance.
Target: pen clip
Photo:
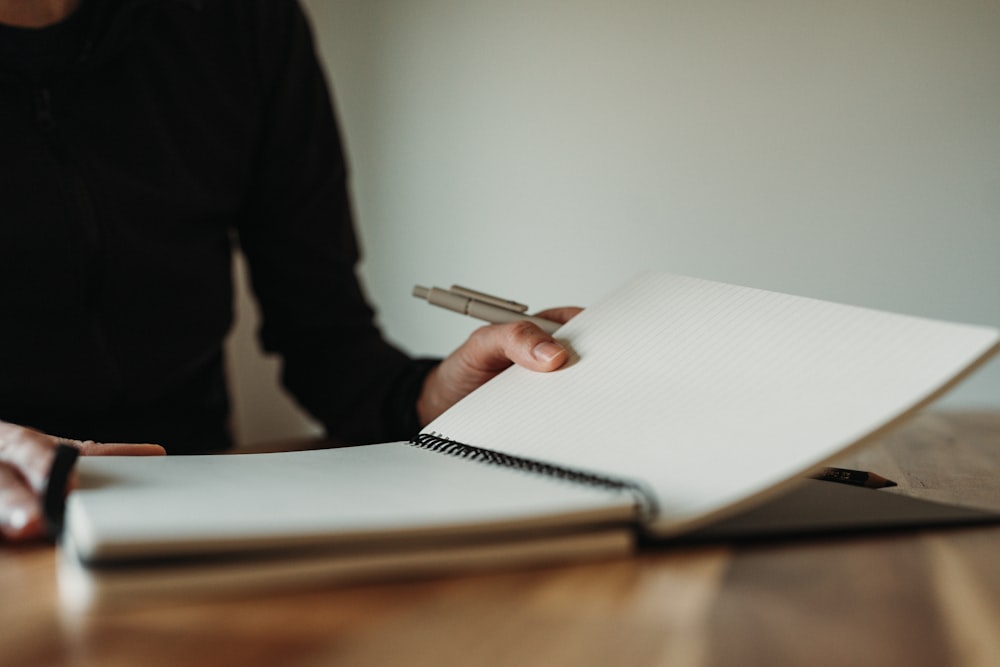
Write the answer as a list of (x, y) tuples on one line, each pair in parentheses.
[(506, 304)]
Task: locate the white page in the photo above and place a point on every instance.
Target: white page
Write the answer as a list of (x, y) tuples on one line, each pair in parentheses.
[(710, 393), (362, 498)]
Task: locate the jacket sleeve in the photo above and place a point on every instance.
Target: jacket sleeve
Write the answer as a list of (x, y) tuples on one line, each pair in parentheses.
[(298, 237)]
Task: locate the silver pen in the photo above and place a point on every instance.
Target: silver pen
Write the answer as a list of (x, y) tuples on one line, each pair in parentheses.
[(482, 306)]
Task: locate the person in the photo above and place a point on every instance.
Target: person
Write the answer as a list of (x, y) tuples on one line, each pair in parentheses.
[(141, 140)]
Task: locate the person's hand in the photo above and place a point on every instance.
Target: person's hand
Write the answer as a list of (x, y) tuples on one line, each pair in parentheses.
[(25, 458), (489, 350)]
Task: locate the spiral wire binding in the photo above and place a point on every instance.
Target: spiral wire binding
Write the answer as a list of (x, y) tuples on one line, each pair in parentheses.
[(437, 443)]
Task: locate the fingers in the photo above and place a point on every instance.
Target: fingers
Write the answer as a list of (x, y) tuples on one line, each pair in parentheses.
[(488, 351), (31, 452), (28, 452), (494, 348), (20, 511), (91, 448), (561, 315), (26, 458)]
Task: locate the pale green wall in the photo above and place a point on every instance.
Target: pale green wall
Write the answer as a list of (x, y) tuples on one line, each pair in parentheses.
[(547, 149)]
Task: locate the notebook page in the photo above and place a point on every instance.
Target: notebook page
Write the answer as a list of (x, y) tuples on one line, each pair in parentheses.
[(712, 393)]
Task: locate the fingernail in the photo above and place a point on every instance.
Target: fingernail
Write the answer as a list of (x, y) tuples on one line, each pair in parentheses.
[(19, 518), (547, 351), (21, 521)]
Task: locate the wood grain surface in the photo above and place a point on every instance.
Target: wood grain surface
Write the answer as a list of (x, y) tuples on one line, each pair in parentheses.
[(917, 597)]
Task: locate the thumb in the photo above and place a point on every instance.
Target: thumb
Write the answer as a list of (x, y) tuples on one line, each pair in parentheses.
[(487, 352), (493, 348)]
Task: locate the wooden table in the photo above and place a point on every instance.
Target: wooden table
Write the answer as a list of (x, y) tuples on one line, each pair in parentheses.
[(927, 597)]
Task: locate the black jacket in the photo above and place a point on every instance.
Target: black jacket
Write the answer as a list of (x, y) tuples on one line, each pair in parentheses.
[(126, 174)]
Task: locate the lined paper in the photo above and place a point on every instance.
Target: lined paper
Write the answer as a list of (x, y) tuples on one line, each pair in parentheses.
[(710, 394)]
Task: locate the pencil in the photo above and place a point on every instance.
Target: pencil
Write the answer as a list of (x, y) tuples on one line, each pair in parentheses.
[(856, 477)]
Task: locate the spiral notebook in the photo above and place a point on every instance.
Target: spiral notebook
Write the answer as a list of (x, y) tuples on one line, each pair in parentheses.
[(688, 406)]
